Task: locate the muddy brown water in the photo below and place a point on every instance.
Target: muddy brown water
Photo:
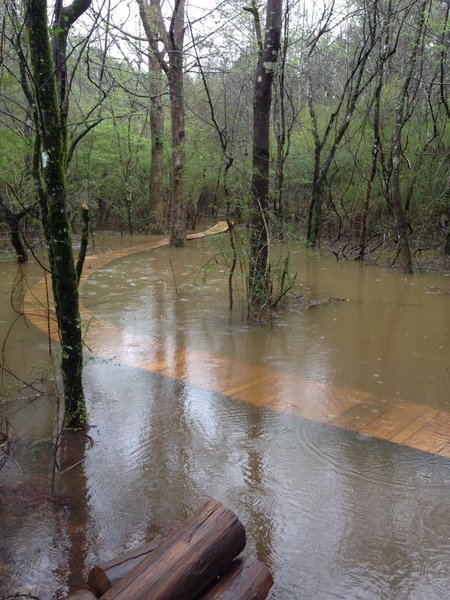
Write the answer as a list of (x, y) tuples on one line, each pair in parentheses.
[(334, 513)]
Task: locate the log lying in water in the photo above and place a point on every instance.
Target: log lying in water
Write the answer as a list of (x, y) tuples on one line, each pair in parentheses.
[(102, 577), (247, 579), (188, 561)]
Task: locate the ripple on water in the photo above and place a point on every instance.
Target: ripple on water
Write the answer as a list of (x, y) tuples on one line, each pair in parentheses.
[(358, 455)]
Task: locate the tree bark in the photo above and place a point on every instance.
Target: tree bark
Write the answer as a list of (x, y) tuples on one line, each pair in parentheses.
[(173, 42), (395, 192), (373, 167), (176, 91), (64, 276), (102, 577), (157, 212), (13, 221), (259, 284), (189, 559)]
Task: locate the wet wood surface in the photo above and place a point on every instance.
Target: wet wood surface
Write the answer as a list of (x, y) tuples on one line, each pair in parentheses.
[(102, 577), (247, 579), (188, 560), (411, 424)]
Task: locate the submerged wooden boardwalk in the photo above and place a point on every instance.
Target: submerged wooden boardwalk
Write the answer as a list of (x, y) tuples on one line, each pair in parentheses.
[(395, 420)]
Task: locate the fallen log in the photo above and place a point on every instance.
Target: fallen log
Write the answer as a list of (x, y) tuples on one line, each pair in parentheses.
[(246, 579), (189, 559), (102, 577)]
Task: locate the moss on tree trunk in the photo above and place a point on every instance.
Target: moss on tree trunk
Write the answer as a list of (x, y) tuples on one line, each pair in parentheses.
[(53, 167)]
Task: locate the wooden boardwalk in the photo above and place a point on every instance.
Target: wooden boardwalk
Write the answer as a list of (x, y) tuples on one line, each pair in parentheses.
[(399, 421)]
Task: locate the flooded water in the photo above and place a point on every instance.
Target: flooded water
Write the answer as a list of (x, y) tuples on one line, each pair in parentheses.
[(281, 422)]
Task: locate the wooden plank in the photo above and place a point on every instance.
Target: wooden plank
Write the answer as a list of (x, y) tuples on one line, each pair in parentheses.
[(433, 436), (188, 560), (393, 420), (247, 579), (401, 436), (248, 383), (358, 417), (445, 451)]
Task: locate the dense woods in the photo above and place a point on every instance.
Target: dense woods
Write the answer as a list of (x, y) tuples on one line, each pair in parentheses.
[(155, 114)]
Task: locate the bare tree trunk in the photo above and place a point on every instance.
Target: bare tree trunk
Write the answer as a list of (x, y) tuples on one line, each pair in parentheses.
[(64, 18), (177, 112), (352, 90), (13, 221), (53, 170), (173, 41), (373, 168), (157, 211), (259, 284), (395, 193), (283, 130)]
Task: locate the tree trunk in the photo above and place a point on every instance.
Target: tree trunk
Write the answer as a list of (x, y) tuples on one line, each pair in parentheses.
[(13, 222), (373, 169), (177, 113), (353, 88), (157, 212), (259, 284), (173, 41), (64, 276), (401, 219), (282, 133), (315, 206), (402, 116), (447, 241), (64, 18), (384, 53)]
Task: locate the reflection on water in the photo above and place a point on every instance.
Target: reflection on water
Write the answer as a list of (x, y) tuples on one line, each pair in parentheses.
[(335, 514), (389, 339)]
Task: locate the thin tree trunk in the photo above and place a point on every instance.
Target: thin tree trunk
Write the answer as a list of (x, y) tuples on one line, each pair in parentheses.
[(352, 90), (373, 170), (395, 192), (177, 200), (259, 285), (157, 212), (281, 131), (13, 221)]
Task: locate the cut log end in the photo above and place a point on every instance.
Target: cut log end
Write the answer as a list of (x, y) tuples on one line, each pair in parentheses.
[(186, 563), (197, 560)]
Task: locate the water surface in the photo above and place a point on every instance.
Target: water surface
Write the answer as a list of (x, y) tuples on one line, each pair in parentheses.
[(334, 513)]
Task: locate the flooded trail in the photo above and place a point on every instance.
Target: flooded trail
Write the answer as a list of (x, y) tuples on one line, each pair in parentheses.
[(188, 402), (400, 421)]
